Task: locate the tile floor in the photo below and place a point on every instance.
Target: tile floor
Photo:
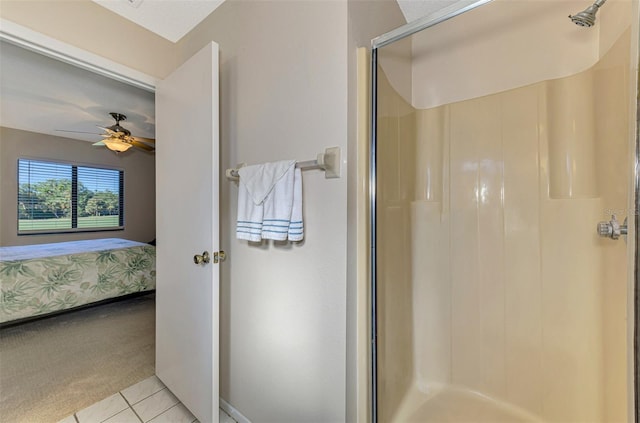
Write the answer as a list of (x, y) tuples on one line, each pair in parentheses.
[(146, 401)]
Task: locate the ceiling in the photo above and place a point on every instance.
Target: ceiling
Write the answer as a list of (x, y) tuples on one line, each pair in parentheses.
[(170, 19), (184, 15), (43, 95)]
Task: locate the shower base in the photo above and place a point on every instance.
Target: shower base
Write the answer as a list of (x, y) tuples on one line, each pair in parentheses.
[(445, 404)]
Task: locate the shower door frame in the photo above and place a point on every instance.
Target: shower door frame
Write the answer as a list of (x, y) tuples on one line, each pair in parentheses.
[(405, 31), (636, 272)]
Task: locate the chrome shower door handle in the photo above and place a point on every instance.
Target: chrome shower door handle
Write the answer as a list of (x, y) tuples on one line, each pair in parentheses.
[(612, 229)]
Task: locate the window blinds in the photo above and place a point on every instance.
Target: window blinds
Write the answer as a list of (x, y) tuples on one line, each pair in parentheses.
[(54, 197)]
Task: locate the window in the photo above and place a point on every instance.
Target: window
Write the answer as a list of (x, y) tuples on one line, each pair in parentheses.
[(59, 197)]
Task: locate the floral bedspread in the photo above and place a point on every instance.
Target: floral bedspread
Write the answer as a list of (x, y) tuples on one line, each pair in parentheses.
[(71, 274)]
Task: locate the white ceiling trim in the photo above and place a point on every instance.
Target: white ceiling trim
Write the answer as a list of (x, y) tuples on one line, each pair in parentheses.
[(43, 44)]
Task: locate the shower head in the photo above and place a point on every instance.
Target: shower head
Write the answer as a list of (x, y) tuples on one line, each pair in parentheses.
[(588, 16)]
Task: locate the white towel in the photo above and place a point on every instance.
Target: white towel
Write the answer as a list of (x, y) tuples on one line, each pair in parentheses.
[(296, 225), (249, 224), (266, 197), (260, 179)]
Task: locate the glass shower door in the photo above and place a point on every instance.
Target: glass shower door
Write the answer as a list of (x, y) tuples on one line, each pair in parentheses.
[(498, 150)]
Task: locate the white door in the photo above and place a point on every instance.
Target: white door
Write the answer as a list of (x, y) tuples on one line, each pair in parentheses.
[(187, 224)]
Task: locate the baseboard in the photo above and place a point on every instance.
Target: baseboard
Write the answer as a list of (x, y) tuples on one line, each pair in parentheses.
[(235, 414)]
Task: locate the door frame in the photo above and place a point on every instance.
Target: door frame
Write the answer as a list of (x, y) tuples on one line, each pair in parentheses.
[(32, 40), (29, 39), (634, 300), (189, 317)]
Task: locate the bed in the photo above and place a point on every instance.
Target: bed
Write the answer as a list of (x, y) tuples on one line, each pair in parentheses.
[(40, 279)]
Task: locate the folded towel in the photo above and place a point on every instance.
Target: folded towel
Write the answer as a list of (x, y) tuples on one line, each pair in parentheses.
[(249, 224), (277, 208), (296, 225), (270, 202), (260, 179)]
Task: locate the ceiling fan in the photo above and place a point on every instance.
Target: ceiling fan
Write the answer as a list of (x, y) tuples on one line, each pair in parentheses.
[(119, 139)]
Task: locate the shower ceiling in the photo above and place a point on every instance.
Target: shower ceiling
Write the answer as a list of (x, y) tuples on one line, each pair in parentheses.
[(415, 9)]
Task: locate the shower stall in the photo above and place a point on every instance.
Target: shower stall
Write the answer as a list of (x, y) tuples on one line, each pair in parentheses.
[(503, 172)]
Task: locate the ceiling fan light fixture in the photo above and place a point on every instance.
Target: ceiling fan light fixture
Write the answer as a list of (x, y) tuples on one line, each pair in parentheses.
[(115, 144), (119, 139)]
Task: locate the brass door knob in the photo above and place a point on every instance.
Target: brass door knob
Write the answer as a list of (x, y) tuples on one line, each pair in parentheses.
[(200, 259), (219, 256)]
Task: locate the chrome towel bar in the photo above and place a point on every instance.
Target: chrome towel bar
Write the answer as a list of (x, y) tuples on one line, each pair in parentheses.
[(329, 161)]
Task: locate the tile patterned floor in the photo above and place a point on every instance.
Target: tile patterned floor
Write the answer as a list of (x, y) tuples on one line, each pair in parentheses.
[(147, 401)]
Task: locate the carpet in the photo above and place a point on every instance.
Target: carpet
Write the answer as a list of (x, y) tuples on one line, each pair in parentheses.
[(53, 367)]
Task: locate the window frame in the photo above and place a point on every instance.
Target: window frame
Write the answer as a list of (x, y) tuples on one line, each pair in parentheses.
[(74, 213)]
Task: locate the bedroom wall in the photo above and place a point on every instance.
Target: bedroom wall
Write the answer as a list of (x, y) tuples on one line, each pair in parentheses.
[(85, 24), (139, 176)]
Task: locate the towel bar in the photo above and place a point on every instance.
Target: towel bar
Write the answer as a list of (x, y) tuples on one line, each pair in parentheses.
[(329, 161)]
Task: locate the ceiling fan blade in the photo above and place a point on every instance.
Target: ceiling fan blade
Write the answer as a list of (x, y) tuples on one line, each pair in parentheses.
[(111, 132), (146, 140), (142, 146), (116, 135), (77, 132)]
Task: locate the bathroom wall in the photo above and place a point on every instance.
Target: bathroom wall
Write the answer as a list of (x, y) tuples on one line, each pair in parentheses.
[(139, 177), (512, 294), (283, 85), (283, 94)]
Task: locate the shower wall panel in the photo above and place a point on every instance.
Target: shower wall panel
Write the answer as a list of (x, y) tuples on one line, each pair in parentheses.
[(571, 127), (492, 276), (396, 126), (613, 152), (524, 271)]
